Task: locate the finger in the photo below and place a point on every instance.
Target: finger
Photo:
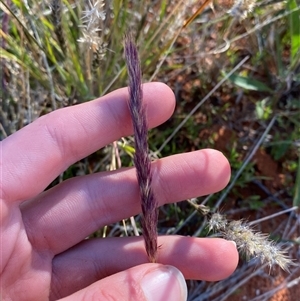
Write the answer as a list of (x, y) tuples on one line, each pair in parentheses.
[(68, 213), (148, 282), (38, 153), (210, 259)]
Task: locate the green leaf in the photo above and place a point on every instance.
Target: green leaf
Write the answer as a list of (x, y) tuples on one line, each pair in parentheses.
[(294, 21), (280, 149), (263, 109), (129, 150), (249, 83)]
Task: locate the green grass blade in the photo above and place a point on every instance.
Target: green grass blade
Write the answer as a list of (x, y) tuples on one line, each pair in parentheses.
[(294, 22), (249, 83), (28, 35)]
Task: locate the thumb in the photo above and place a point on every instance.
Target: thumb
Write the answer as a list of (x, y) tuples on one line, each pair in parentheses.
[(146, 282), (164, 283)]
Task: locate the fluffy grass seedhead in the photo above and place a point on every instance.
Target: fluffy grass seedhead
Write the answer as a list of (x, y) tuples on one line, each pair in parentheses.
[(241, 8), (252, 244), (91, 32)]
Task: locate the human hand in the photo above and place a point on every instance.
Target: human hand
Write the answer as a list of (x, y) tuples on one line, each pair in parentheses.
[(44, 254)]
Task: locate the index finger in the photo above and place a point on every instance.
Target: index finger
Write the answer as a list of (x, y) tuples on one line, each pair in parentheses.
[(38, 153)]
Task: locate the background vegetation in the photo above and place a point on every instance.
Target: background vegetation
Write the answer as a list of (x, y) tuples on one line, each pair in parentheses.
[(235, 71)]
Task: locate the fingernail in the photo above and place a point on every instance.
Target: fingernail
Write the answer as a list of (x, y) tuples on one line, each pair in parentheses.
[(233, 242), (164, 283)]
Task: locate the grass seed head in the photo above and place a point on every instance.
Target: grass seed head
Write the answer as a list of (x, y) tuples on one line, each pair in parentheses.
[(91, 32), (241, 8), (252, 244), (141, 158)]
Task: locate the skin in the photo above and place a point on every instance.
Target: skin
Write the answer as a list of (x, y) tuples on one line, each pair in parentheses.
[(42, 232)]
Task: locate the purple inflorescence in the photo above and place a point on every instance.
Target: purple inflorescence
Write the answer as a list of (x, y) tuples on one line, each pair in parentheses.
[(141, 158)]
